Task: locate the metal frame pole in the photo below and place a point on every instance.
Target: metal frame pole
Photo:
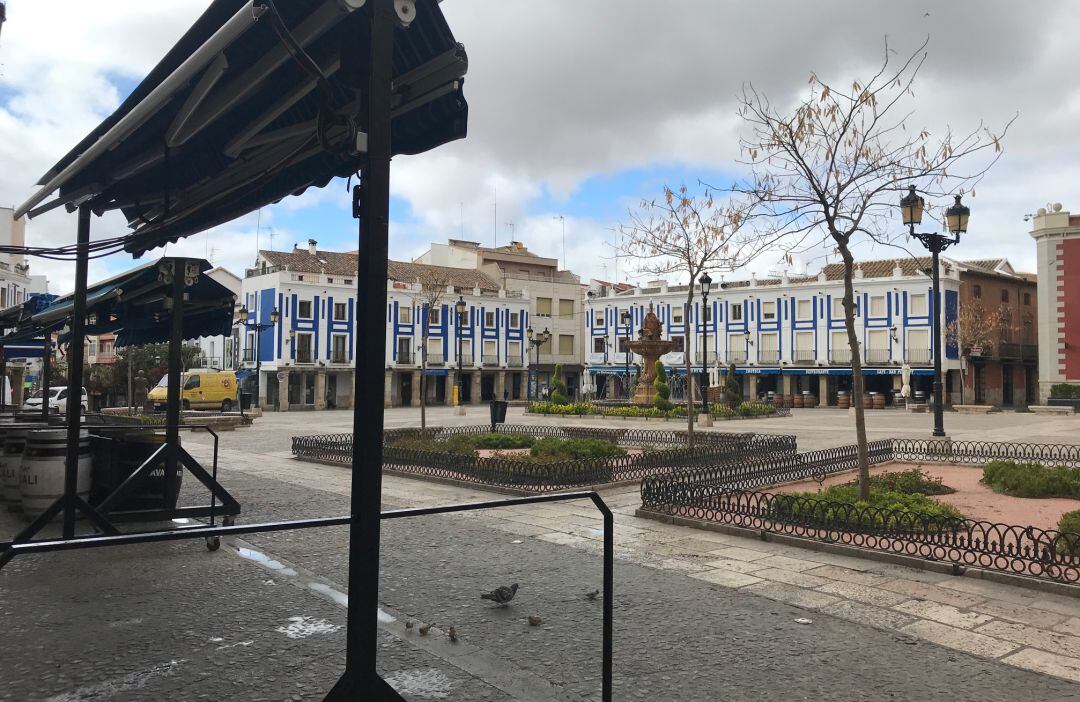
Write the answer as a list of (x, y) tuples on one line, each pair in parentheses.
[(705, 352), (76, 355), (172, 402), (373, 199), (46, 369)]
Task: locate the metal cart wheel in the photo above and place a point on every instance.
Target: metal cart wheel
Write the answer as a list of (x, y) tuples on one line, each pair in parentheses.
[(213, 543)]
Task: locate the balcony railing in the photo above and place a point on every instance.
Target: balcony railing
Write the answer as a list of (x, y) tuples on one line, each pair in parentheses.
[(771, 356), (249, 356), (710, 356), (1029, 352), (341, 357), (490, 359), (514, 362), (803, 357), (305, 356), (405, 357), (876, 356), (736, 357), (466, 359), (840, 357), (436, 359), (1008, 350), (919, 357)]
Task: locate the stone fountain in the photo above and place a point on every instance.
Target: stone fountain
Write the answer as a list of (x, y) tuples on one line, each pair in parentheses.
[(650, 347)]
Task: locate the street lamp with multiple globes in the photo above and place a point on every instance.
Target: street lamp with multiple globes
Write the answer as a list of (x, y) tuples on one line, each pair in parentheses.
[(706, 285), (536, 340), (460, 306), (258, 328), (956, 220)]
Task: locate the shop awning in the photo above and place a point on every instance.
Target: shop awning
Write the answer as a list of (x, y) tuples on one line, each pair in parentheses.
[(135, 305), (257, 101)]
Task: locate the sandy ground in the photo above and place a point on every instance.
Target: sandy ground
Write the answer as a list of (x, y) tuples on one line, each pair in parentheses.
[(974, 499)]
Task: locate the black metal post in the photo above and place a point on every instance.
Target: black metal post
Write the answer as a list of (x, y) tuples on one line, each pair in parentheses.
[(460, 385), (626, 364), (46, 369), (704, 352), (939, 411), (172, 402), (361, 681), (76, 354)]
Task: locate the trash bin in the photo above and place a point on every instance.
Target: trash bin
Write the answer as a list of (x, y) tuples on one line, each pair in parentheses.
[(245, 400), (498, 412)]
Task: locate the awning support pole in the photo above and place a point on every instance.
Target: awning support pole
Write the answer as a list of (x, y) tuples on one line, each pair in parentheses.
[(372, 199), (172, 402), (76, 357), (46, 371)]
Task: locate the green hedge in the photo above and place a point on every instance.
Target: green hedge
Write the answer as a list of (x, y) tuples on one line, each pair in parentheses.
[(1032, 479), (840, 507), (1069, 524), (1064, 391), (575, 448), (911, 482)]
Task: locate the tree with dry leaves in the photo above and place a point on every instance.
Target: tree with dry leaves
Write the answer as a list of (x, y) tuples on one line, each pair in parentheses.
[(689, 235), (830, 173), (976, 326), (431, 286)]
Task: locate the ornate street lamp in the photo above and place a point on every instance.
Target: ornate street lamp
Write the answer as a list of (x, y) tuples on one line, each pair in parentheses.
[(536, 340), (461, 307), (706, 283), (956, 219), (248, 325)]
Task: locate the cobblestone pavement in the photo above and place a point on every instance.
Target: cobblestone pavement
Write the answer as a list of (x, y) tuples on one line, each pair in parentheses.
[(699, 616)]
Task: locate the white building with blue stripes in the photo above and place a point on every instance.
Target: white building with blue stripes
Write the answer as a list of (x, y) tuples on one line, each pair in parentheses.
[(300, 338), (783, 334)]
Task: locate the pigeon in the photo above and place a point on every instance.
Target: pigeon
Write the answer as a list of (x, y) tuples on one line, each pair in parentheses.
[(452, 633), (501, 595), (425, 628), (409, 624), (535, 620), (592, 595)]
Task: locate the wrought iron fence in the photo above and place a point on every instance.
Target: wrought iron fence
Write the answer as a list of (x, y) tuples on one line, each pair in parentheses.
[(666, 452), (723, 494)]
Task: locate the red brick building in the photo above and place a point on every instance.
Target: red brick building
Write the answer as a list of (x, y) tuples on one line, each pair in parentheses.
[(1057, 235)]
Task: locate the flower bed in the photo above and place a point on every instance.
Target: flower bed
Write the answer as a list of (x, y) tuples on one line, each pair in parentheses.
[(745, 410), (1032, 479)]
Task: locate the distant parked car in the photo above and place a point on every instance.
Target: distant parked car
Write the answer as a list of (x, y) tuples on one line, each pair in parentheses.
[(57, 400)]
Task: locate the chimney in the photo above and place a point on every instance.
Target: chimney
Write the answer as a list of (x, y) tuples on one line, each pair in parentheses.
[(311, 246)]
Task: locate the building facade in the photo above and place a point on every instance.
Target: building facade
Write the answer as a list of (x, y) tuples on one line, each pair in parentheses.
[(16, 283), (556, 301), (784, 335), (306, 359), (1057, 238)]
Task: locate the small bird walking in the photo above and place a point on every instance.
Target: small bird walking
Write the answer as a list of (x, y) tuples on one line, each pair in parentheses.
[(592, 595), (535, 620), (501, 595), (425, 628), (452, 633)]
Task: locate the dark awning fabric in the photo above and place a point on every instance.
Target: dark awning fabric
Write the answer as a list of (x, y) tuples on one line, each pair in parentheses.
[(247, 125), (15, 315), (134, 305)]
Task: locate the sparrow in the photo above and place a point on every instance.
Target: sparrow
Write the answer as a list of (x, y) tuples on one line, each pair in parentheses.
[(425, 628), (452, 633), (534, 620), (592, 595), (501, 595), (409, 624)]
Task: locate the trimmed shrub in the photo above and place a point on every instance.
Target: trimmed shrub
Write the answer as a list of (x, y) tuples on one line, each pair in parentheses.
[(722, 411), (1069, 526), (756, 409), (910, 482), (840, 507), (562, 449), (1064, 391), (663, 392), (1032, 479), (501, 441), (576, 408), (732, 388), (558, 387)]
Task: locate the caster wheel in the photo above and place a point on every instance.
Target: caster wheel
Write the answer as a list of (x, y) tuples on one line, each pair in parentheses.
[(213, 543), (228, 521)]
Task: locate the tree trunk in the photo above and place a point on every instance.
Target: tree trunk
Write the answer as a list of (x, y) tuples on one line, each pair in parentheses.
[(686, 365), (423, 381), (857, 383)]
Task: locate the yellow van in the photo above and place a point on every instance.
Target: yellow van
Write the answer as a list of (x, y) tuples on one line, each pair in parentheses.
[(200, 388)]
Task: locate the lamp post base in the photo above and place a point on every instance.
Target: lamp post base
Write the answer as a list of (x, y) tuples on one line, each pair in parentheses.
[(705, 420)]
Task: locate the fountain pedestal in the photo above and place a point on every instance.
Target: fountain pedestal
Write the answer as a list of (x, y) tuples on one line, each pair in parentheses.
[(650, 347)]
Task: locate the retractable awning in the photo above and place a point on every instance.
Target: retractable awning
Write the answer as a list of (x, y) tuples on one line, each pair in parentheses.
[(136, 305), (257, 101)]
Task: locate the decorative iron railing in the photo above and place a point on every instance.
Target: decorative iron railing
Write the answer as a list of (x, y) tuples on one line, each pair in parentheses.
[(720, 494)]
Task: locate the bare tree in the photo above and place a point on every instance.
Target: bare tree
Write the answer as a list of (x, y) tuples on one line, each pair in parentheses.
[(689, 235), (976, 326), (830, 173), (431, 286)]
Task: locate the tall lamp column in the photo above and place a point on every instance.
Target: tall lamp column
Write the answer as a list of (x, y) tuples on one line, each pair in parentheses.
[(258, 328), (956, 218), (461, 308)]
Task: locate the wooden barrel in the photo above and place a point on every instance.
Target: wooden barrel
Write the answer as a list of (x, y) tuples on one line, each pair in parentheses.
[(41, 475), (843, 400), (898, 399), (808, 399), (12, 443), (789, 401), (878, 400), (798, 401)]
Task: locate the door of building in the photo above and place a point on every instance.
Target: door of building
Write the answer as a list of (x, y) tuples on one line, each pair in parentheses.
[(1006, 385), (466, 388), (487, 387), (405, 388), (980, 384), (515, 386), (331, 390)]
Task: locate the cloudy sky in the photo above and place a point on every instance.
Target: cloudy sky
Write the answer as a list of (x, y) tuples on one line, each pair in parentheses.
[(580, 109)]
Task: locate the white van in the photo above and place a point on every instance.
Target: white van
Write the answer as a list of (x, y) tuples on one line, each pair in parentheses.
[(57, 400)]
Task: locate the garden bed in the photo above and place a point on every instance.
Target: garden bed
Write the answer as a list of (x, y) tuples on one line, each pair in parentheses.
[(972, 498)]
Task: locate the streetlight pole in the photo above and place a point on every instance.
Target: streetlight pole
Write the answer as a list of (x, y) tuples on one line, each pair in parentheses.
[(911, 208), (536, 340), (258, 328), (706, 283), (461, 307)]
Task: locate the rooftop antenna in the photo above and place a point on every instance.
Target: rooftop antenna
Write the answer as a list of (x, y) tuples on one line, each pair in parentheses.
[(495, 219), (461, 217), (562, 220)]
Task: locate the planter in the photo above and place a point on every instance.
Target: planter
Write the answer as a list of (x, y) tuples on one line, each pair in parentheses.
[(1073, 402)]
